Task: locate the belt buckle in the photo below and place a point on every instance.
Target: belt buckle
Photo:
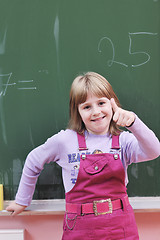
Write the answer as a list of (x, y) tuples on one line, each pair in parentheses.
[(102, 201)]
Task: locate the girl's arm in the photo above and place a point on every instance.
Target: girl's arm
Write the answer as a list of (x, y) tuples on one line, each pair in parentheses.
[(32, 168), (141, 144)]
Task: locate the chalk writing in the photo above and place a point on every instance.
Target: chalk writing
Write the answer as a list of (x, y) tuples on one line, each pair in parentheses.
[(111, 61), (26, 88), (21, 85), (130, 35), (134, 53), (3, 92), (44, 71)]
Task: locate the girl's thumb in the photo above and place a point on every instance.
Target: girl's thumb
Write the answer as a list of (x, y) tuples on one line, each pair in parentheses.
[(113, 104)]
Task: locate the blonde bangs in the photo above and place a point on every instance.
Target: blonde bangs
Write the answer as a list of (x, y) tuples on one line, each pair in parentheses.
[(83, 85)]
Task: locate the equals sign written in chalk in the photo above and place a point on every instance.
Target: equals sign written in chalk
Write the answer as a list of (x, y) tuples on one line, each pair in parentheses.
[(26, 88)]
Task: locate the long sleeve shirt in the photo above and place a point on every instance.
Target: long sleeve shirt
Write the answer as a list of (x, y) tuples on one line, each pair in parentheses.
[(136, 145)]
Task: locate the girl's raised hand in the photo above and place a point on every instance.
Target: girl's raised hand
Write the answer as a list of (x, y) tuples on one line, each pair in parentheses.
[(122, 117)]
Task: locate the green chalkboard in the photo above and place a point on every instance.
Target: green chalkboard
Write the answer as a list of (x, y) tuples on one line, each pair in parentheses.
[(43, 46)]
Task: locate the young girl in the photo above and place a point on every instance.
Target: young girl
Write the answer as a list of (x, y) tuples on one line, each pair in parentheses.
[(94, 155)]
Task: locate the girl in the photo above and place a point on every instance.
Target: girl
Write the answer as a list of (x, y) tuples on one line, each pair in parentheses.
[(94, 155)]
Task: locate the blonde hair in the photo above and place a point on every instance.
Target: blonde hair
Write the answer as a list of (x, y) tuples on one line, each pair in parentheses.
[(96, 84)]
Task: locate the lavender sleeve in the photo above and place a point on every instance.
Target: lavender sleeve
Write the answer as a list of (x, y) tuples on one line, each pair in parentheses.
[(139, 145), (33, 166)]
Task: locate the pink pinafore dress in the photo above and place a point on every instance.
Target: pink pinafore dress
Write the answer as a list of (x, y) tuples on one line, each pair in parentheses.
[(97, 207)]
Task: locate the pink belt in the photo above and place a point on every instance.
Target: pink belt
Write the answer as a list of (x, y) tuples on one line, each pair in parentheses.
[(97, 207)]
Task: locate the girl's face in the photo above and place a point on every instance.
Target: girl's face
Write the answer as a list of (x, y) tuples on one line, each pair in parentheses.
[(96, 113)]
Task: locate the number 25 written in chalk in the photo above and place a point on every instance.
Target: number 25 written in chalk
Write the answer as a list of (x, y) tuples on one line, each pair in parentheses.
[(112, 60)]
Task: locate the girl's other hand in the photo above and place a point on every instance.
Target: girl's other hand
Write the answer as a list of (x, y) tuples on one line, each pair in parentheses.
[(122, 117), (15, 208)]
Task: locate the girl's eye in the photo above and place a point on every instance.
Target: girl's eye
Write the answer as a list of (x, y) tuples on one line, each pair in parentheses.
[(86, 107), (101, 103)]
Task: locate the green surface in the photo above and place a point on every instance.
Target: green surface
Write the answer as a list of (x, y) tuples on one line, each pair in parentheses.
[(43, 46)]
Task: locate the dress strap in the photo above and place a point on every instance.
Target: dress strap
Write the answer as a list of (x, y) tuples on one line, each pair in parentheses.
[(81, 142), (115, 142)]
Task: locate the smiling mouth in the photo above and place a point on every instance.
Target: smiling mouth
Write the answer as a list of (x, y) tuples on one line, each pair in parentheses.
[(98, 119)]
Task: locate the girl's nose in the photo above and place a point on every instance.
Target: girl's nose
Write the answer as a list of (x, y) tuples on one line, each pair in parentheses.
[(96, 111)]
